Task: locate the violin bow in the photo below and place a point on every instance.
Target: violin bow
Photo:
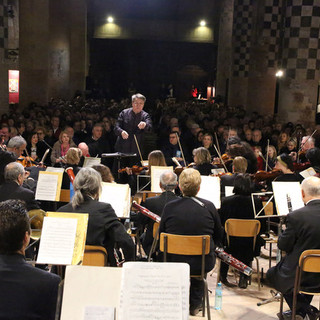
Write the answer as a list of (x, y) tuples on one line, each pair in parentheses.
[(217, 141), (219, 154), (184, 160), (135, 139), (301, 145), (267, 157)]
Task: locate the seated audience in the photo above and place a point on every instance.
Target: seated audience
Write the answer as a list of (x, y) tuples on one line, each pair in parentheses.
[(26, 292)]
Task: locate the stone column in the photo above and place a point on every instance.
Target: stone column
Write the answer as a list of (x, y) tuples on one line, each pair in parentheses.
[(300, 61)]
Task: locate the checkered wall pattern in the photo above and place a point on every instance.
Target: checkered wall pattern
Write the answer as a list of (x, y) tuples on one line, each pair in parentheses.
[(242, 34), (3, 25), (271, 30), (301, 47)]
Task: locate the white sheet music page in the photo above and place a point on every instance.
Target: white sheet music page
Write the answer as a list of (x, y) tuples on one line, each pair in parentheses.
[(90, 161), (57, 240), (210, 190), (47, 187), (98, 313), (154, 291)]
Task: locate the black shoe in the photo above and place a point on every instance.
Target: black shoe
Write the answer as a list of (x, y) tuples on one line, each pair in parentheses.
[(195, 311), (287, 315), (313, 313), (227, 283), (243, 282)]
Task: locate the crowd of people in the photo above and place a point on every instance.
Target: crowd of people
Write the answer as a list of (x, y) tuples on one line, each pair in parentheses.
[(194, 134)]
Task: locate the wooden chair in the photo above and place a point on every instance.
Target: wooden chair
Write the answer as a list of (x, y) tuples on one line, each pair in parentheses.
[(189, 245), (95, 256), (244, 228), (155, 239), (309, 261), (64, 195)]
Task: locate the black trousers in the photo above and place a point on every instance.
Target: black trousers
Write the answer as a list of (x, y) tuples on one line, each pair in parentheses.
[(196, 292), (303, 300)]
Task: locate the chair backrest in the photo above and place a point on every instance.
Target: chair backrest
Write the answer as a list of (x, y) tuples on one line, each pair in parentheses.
[(65, 195), (95, 256), (242, 228), (310, 260), (185, 245), (155, 229)]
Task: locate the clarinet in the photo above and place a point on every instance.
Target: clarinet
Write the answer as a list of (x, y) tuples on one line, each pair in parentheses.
[(221, 254)]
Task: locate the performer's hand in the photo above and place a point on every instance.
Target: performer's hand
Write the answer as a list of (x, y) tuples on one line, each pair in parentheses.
[(142, 125), (26, 174), (124, 135)]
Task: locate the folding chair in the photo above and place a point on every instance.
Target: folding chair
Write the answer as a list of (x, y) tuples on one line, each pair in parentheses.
[(309, 262), (244, 228), (95, 256), (189, 245)]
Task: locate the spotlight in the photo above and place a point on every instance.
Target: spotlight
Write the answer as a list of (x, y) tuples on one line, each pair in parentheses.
[(279, 73), (202, 23), (110, 19)]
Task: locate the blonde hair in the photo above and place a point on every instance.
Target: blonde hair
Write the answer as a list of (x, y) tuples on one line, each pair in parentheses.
[(61, 134), (240, 165), (73, 156), (203, 155), (189, 182), (156, 158)]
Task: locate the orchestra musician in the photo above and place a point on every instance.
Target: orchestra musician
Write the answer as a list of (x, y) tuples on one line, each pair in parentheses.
[(192, 216), (26, 292), (168, 183), (239, 165), (285, 164), (239, 206), (202, 161), (172, 150), (104, 227), (301, 233), (313, 156)]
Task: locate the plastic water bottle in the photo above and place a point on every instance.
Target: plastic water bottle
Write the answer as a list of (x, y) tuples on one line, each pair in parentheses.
[(218, 297)]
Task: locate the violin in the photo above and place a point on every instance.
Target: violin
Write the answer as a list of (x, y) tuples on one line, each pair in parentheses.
[(262, 175), (178, 170), (135, 169), (301, 166), (27, 161)]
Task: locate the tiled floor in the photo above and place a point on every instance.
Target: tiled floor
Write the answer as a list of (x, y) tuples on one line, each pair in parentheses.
[(241, 304)]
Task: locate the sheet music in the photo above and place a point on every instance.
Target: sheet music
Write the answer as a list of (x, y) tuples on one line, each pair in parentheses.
[(91, 161), (156, 172), (210, 190), (229, 191), (54, 169), (154, 291), (89, 286), (118, 195), (287, 190), (310, 172), (217, 171), (81, 232), (98, 313), (49, 186), (57, 240)]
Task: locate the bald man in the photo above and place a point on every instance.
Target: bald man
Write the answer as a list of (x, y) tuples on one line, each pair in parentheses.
[(301, 233)]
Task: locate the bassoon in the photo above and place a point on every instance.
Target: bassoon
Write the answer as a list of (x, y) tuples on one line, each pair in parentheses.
[(221, 254)]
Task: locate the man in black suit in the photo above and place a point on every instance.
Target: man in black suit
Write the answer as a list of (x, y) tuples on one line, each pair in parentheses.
[(14, 175), (168, 182), (301, 233), (26, 292), (193, 216)]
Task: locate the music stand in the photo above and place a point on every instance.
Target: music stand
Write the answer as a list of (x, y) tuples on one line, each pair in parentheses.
[(118, 156)]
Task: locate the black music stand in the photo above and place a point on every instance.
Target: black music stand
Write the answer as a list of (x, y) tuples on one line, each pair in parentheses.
[(118, 156)]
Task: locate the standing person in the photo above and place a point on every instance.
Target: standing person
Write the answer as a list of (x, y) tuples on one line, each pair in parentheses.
[(26, 292), (132, 122), (301, 233), (192, 216)]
